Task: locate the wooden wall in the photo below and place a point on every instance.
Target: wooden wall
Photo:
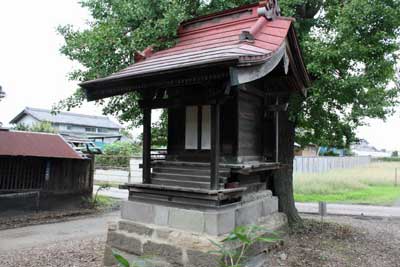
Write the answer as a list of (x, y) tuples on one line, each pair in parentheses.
[(250, 120), (247, 130), (176, 134), (60, 176)]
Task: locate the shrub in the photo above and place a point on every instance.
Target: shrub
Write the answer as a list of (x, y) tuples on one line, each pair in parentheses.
[(40, 127), (117, 154)]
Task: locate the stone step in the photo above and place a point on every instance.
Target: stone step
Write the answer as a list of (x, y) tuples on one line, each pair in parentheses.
[(183, 183), (185, 177)]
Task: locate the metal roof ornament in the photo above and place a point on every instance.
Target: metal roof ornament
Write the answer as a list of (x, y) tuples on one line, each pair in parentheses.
[(269, 9), (140, 56)]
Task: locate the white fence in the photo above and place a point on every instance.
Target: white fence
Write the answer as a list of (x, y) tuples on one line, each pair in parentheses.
[(324, 164), (133, 174)]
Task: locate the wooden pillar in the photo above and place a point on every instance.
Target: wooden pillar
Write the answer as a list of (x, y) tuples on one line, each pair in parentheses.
[(146, 145), (215, 146), (277, 132)]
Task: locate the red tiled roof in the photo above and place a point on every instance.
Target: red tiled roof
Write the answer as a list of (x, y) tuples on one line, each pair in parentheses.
[(35, 145), (214, 38)]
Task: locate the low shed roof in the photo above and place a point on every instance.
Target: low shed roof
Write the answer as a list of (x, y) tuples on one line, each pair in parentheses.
[(35, 145)]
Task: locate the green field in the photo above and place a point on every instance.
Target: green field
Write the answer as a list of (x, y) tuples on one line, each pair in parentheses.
[(371, 184)]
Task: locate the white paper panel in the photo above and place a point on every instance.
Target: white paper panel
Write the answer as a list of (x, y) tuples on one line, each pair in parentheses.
[(191, 128), (206, 128)]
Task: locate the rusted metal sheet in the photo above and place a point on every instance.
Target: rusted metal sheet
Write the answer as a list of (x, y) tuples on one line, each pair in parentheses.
[(35, 145)]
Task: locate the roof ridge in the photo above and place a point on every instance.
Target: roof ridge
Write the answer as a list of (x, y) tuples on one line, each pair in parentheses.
[(28, 132), (219, 13), (68, 113)]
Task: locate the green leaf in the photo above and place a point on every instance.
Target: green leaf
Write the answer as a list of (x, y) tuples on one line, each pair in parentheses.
[(121, 260)]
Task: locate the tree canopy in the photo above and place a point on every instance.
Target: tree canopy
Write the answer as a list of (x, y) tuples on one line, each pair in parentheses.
[(349, 48)]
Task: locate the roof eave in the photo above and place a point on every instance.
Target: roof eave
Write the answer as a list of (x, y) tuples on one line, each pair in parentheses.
[(107, 82), (21, 115)]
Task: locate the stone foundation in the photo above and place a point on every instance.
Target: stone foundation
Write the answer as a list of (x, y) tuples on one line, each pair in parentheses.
[(175, 236)]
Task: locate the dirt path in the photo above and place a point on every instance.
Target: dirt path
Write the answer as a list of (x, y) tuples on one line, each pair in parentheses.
[(40, 235)]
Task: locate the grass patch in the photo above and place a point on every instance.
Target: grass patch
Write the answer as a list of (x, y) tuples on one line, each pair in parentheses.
[(375, 195), (104, 201), (111, 184), (372, 184)]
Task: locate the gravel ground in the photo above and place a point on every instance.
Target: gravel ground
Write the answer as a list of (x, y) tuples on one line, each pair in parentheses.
[(348, 241), (343, 241), (71, 253)]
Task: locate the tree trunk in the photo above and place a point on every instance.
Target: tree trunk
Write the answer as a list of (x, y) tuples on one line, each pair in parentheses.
[(283, 178)]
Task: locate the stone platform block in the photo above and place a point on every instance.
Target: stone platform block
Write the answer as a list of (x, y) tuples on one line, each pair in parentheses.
[(209, 221), (138, 211), (188, 220), (269, 206), (132, 227), (172, 247), (169, 253), (217, 223), (125, 242)]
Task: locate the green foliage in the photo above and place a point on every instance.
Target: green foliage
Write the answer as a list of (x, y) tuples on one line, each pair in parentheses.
[(349, 48), (123, 262), (234, 247), (99, 202), (21, 127), (371, 195), (159, 132), (117, 154), (368, 184), (390, 159), (103, 186), (330, 153), (395, 154), (43, 127), (40, 127)]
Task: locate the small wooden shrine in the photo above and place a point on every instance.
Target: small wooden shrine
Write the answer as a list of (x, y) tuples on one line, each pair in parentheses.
[(223, 84)]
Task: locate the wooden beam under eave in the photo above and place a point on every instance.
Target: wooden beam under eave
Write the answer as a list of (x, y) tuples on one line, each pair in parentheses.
[(173, 103)]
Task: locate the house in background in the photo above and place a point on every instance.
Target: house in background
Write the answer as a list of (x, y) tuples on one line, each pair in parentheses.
[(72, 124), (363, 148), (310, 150)]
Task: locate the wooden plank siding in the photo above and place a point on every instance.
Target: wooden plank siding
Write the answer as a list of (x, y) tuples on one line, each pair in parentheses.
[(67, 176), (228, 134), (250, 124)]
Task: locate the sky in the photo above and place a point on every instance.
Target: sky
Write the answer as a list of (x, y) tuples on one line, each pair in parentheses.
[(34, 73)]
